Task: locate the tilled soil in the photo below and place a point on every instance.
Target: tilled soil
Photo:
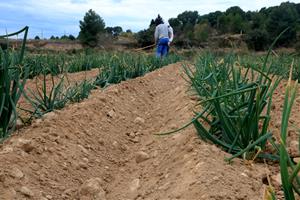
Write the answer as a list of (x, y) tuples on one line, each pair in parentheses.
[(105, 148)]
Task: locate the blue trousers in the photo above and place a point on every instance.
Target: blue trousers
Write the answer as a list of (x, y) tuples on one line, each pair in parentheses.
[(162, 47)]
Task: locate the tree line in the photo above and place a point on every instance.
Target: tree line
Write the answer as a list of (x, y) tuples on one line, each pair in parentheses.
[(257, 28), (92, 29)]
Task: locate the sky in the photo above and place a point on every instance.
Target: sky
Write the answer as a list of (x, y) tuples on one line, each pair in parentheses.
[(59, 17)]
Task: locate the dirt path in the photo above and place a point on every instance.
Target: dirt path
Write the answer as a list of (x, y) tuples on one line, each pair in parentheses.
[(104, 148)]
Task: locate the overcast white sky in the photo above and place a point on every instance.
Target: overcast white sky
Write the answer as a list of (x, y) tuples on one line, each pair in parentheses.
[(56, 17)]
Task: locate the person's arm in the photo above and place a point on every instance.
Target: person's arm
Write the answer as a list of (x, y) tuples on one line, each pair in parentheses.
[(171, 34), (156, 35)]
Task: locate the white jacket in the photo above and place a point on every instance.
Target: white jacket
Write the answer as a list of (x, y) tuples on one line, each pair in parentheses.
[(163, 31)]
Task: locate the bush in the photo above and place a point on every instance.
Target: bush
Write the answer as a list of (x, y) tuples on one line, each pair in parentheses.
[(202, 32), (3, 45), (145, 37), (257, 40)]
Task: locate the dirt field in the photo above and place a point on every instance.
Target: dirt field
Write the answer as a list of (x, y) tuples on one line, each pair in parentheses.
[(104, 148)]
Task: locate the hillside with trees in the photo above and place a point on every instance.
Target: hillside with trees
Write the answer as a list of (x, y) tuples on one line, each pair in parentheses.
[(257, 28)]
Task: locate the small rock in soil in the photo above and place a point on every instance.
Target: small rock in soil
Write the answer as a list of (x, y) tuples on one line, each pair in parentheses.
[(38, 121), (19, 123), (2, 178), (111, 114), (115, 91), (131, 134), (101, 142), (49, 115), (277, 179), (49, 197), (115, 144), (141, 157), (135, 184), (296, 160), (155, 153), (84, 150), (26, 145), (139, 120), (173, 127), (273, 107), (7, 150), (134, 140), (91, 189), (291, 132), (294, 145), (8, 193), (26, 191), (16, 173), (123, 147), (82, 165), (103, 99), (194, 98), (292, 121), (189, 148), (278, 124)]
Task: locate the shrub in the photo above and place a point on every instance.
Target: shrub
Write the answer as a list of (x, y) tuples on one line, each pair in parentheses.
[(257, 39)]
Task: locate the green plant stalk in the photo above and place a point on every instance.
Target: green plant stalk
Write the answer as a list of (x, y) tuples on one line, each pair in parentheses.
[(286, 179), (11, 85)]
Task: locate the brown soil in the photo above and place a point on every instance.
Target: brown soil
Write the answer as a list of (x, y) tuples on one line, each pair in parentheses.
[(104, 148)]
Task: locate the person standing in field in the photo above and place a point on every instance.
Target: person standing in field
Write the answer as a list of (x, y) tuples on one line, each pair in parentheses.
[(163, 37)]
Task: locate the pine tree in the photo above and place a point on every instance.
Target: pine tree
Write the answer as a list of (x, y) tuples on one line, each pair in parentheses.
[(90, 28)]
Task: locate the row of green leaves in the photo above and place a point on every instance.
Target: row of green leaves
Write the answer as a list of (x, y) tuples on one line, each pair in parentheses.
[(236, 104), (62, 62), (52, 95), (278, 63)]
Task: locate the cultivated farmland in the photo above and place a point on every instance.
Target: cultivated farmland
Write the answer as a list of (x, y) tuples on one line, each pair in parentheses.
[(102, 124)]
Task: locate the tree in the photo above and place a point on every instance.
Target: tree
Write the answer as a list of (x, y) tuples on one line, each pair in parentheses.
[(236, 23), (90, 28), (152, 23), (202, 32), (235, 10), (146, 36), (52, 37), (109, 30), (281, 18), (71, 37), (257, 39), (190, 17), (213, 18), (117, 30), (37, 37), (114, 31), (224, 23), (176, 24), (157, 21), (258, 21), (64, 37)]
